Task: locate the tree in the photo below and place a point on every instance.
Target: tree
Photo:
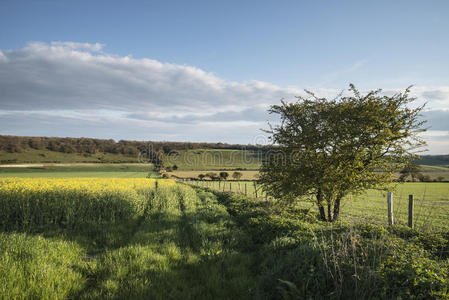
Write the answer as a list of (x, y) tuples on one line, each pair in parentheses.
[(212, 175), (237, 175), (224, 175), (328, 149), (201, 176), (410, 169)]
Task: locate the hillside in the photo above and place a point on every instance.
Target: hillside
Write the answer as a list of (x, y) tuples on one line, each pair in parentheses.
[(47, 156), (213, 159)]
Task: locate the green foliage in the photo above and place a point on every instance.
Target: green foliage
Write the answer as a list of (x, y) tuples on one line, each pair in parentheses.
[(224, 175), (331, 148)]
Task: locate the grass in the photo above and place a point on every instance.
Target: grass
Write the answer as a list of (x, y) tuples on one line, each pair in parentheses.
[(47, 156), (148, 241), (213, 159), (431, 205), (431, 202), (80, 170)]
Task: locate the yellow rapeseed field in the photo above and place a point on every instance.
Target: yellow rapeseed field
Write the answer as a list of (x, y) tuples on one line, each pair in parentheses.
[(70, 202)]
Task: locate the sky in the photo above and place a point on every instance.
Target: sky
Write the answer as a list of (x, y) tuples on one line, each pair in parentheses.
[(209, 70)]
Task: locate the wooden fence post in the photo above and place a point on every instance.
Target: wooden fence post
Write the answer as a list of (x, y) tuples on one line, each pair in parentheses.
[(390, 208), (246, 190), (230, 186), (255, 188), (410, 211)]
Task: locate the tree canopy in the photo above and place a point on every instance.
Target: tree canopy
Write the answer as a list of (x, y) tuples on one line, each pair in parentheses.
[(331, 148)]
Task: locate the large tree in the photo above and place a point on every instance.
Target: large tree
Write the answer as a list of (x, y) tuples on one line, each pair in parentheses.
[(328, 149)]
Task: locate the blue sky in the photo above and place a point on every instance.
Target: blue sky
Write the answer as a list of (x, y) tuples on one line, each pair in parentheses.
[(207, 70)]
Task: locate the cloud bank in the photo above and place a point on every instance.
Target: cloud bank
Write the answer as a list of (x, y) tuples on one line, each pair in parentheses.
[(77, 89)]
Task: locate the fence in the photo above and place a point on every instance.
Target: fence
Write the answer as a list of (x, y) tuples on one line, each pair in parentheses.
[(423, 206)]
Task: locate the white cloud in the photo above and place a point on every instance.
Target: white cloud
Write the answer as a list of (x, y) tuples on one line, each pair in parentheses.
[(69, 88)]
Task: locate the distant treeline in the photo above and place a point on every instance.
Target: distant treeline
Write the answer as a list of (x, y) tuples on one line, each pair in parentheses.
[(17, 144)]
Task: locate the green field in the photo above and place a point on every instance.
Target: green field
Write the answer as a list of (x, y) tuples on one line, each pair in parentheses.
[(47, 156), (80, 170), (431, 202), (213, 159)]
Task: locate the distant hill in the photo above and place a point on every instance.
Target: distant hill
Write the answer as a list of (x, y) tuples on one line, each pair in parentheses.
[(434, 160), (23, 149)]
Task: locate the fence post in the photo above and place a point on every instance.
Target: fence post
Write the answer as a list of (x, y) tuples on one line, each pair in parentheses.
[(255, 188), (230, 186), (410, 211), (390, 208), (224, 185), (246, 191), (219, 185), (157, 184)]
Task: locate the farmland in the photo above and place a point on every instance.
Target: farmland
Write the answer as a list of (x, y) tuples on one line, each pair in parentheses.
[(74, 170), (108, 231), (117, 238), (134, 238), (214, 159)]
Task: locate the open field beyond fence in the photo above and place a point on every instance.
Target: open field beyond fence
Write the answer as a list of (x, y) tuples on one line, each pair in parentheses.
[(431, 202)]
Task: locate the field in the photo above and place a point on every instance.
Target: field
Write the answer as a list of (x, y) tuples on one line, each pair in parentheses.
[(246, 175), (431, 202), (213, 159), (117, 238), (109, 238), (107, 231), (47, 156), (74, 170)]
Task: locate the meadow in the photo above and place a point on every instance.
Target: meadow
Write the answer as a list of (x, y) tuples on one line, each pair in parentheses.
[(431, 202)]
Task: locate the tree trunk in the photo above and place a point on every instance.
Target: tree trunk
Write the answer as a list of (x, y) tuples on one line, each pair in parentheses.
[(319, 199), (329, 212), (336, 209)]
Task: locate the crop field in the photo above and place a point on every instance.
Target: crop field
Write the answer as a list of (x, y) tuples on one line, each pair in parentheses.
[(431, 202), (76, 170), (117, 238), (213, 159)]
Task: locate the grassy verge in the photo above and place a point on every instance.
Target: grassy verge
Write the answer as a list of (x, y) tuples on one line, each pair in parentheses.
[(299, 257)]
